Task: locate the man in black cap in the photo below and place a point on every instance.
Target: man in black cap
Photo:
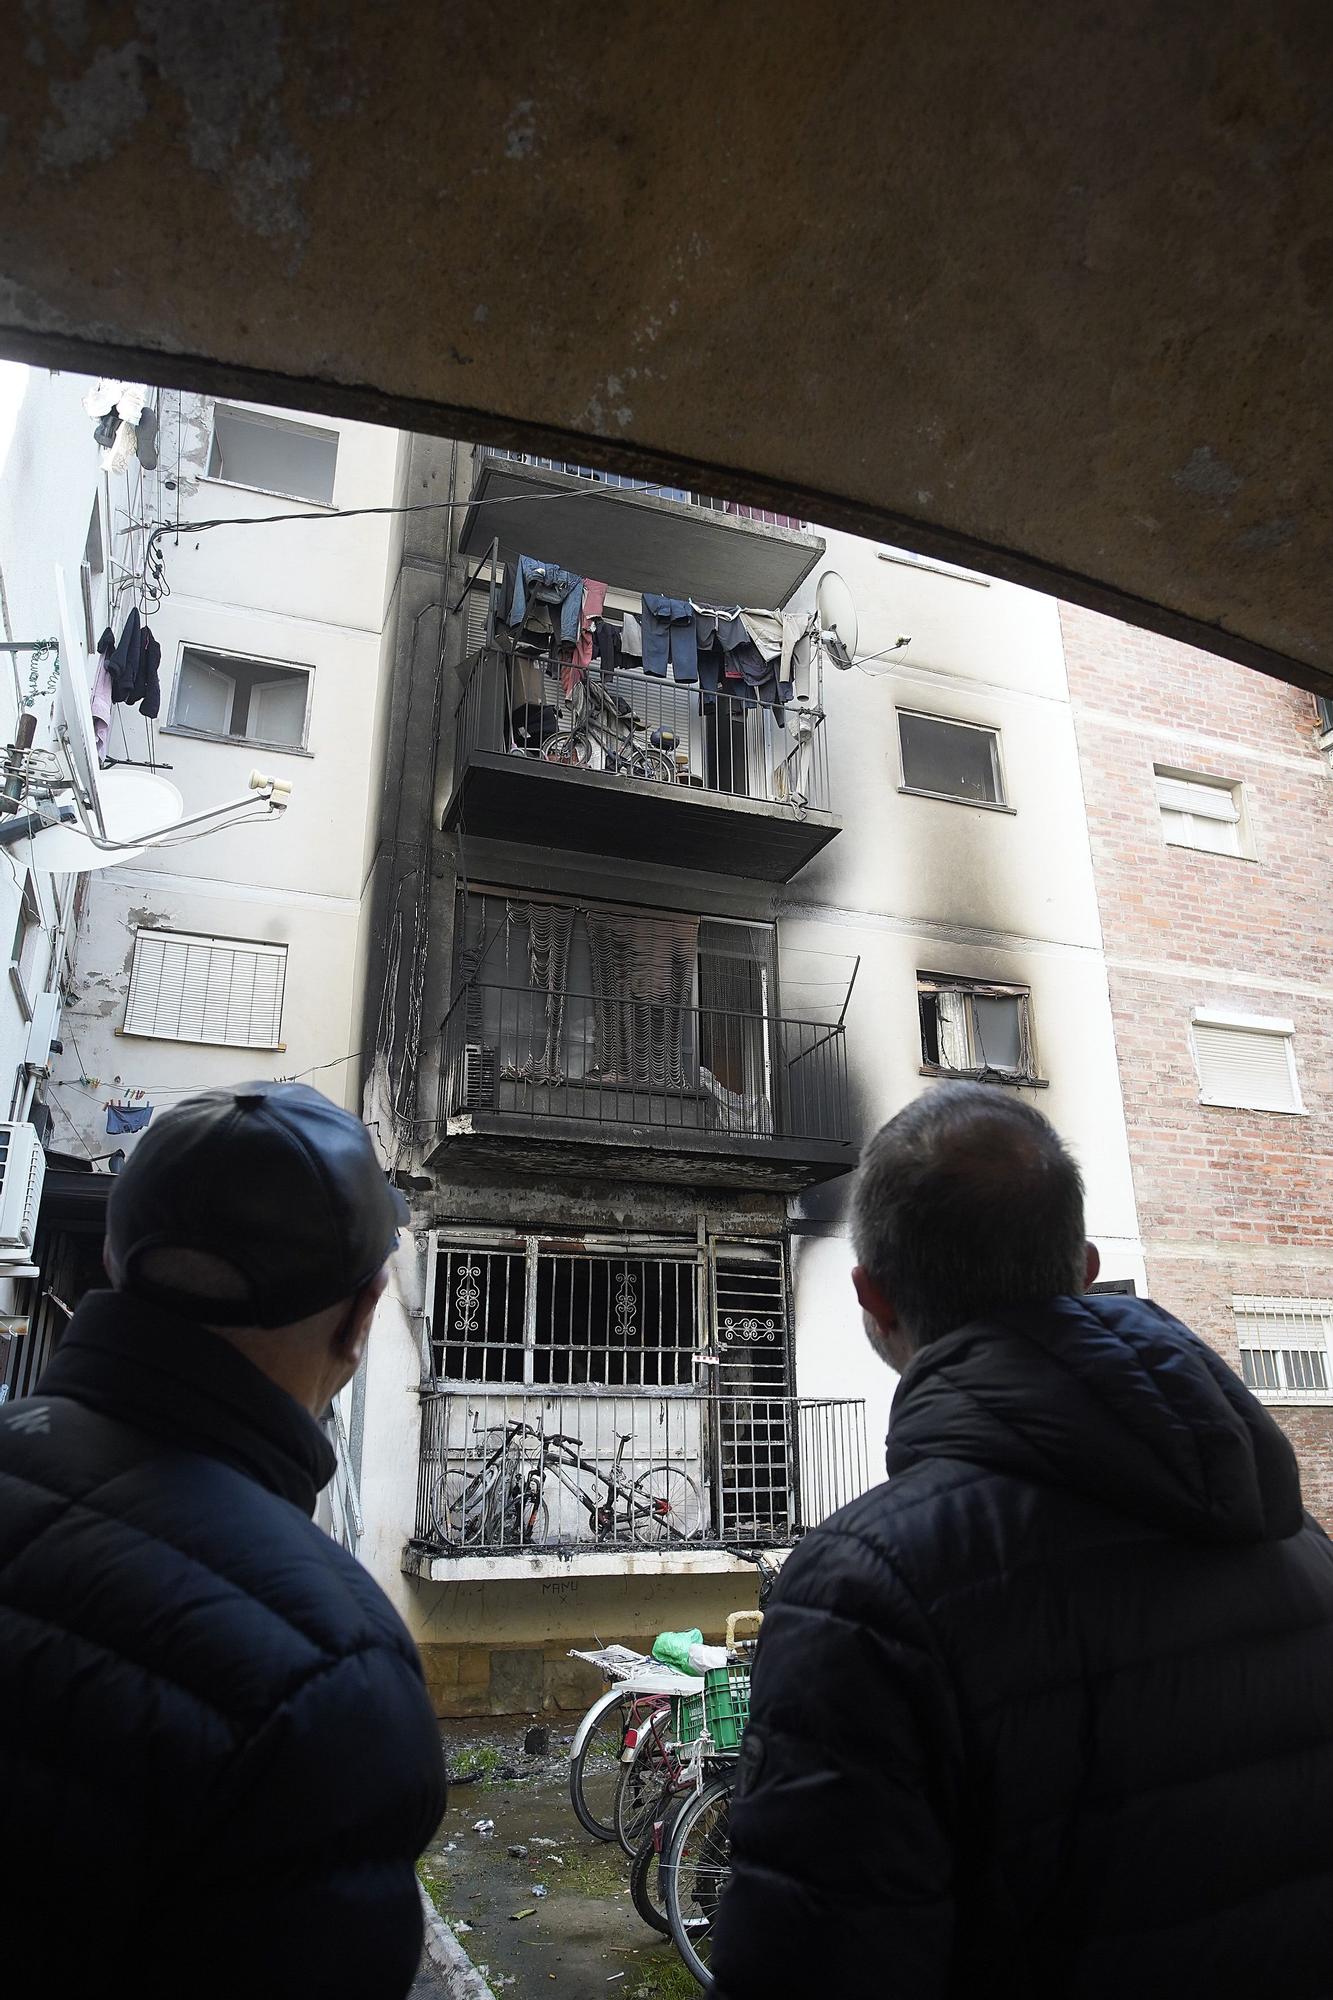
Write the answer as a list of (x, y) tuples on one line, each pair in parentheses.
[(218, 1761)]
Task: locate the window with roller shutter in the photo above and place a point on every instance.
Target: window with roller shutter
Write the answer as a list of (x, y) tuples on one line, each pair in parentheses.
[(1204, 813), (1246, 1063), (188, 988), (1286, 1348)]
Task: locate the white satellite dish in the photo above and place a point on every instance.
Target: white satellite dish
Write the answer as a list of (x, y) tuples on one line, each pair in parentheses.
[(839, 628), (134, 804), (74, 701)]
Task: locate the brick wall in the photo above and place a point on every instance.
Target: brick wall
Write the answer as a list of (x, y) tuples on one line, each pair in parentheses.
[(1230, 1202)]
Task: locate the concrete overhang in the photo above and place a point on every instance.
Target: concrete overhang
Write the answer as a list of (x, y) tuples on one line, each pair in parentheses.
[(639, 541), (552, 1566), (1045, 291)]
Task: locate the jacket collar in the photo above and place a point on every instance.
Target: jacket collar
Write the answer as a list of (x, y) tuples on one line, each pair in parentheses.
[(162, 1374)]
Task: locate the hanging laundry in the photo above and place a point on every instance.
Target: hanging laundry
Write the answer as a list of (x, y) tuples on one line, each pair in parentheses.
[(118, 454), (594, 598), (127, 1117), (765, 628), (668, 634), (104, 432), (101, 706), (608, 647), (631, 639), (133, 665), (796, 653), (145, 440), (538, 591)]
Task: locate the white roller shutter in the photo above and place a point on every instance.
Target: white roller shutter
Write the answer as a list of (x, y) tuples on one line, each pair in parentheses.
[(1196, 813), (1251, 1068), (187, 988)]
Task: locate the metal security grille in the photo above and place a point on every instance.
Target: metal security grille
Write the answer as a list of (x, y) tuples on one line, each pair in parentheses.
[(185, 988), (545, 1312), (1286, 1346), (755, 1442)]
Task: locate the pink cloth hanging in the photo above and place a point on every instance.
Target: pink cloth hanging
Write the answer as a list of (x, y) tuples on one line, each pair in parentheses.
[(101, 707), (594, 597)]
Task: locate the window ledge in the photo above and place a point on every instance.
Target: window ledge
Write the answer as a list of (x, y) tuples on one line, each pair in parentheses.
[(1007, 1076), (269, 492), (1217, 853), (234, 742), (1261, 1110), (951, 799), (1294, 1398)]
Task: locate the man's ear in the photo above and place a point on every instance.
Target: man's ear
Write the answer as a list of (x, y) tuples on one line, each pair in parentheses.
[(874, 1300), (1094, 1265)]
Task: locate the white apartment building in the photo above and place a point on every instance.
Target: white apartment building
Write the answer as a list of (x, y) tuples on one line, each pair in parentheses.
[(619, 1002)]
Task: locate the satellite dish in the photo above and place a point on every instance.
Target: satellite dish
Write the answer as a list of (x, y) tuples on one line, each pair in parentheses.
[(838, 625), (74, 698), (134, 804)]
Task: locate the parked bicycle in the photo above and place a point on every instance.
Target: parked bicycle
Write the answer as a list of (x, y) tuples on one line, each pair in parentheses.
[(607, 721), (637, 1687), (502, 1503)]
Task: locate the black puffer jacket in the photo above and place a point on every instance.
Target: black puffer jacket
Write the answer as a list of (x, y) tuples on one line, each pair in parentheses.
[(1050, 1714), (218, 1761)]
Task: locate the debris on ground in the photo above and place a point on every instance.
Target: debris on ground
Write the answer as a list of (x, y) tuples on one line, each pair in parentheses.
[(517, 1852), (537, 1742), (517, 1916), (485, 1827)]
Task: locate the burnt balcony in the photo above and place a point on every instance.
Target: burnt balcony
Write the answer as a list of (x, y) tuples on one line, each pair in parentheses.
[(541, 1081), (638, 536), (638, 767), (603, 1480)]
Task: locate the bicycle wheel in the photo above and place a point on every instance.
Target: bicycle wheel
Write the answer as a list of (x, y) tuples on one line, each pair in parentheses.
[(695, 1869), (644, 1883), (461, 1506), (643, 1782), (568, 746), (594, 1771), (651, 764), (665, 1505)]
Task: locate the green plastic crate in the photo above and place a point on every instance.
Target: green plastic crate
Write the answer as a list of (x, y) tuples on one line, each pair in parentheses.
[(727, 1704), (687, 1718)]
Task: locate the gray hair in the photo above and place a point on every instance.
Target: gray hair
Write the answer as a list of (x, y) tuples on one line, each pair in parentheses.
[(965, 1203)]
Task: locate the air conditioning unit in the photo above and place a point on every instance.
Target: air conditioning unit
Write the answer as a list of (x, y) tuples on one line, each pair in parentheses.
[(22, 1171), (479, 1073)]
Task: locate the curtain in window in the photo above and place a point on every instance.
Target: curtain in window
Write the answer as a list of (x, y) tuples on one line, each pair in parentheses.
[(735, 980), (643, 984), (550, 927)]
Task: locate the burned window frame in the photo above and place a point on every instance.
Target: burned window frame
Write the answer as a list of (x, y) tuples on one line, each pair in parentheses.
[(930, 985)]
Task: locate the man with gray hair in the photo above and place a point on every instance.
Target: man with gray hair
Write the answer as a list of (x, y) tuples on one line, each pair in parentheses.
[(1048, 1715)]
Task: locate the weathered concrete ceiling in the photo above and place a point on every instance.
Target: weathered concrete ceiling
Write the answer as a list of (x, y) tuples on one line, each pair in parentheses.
[(1043, 288)]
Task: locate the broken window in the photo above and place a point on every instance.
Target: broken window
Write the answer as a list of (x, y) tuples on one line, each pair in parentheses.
[(971, 1027), (950, 760)]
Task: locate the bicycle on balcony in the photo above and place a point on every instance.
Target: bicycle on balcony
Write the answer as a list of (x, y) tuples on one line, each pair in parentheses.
[(604, 721), (501, 1503)]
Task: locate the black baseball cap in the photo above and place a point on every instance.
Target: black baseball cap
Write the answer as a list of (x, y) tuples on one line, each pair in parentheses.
[(273, 1178)]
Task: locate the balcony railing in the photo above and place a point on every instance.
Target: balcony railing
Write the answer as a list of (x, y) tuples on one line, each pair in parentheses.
[(510, 1471), (735, 508), (616, 1060), (654, 732)]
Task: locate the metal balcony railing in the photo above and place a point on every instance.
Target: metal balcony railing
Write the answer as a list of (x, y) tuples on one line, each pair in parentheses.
[(736, 509), (509, 1471), (612, 1059), (654, 731)]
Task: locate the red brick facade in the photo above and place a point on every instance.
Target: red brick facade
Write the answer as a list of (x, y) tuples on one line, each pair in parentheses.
[(1231, 1203)]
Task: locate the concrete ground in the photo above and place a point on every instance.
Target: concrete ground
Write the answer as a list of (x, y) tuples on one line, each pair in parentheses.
[(580, 1938)]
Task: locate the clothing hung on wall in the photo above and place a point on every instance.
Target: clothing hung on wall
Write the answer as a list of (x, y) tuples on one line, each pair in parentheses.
[(550, 927), (643, 971)]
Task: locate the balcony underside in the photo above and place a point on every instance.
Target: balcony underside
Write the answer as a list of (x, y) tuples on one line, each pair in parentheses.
[(562, 1565), (530, 1143), (599, 812), (637, 541)]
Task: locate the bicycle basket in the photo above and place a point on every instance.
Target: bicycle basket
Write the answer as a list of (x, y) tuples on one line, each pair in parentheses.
[(727, 1704)]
